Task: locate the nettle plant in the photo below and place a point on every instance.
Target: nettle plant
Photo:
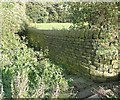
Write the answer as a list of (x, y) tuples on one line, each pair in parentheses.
[(24, 74)]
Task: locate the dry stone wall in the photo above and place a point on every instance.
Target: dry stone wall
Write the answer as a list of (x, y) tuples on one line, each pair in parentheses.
[(85, 52)]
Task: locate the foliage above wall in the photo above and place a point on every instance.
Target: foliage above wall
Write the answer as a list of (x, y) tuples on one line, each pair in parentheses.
[(47, 12), (36, 12), (94, 14)]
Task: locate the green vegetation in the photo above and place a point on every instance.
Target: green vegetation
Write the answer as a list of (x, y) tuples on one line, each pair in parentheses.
[(36, 12), (25, 73), (94, 15), (28, 73), (51, 26), (48, 12)]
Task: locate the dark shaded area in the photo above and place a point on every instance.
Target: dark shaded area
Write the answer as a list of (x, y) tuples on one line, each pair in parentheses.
[(6, 81)]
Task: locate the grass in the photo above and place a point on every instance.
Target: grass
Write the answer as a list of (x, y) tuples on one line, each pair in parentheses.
[(51, 26)]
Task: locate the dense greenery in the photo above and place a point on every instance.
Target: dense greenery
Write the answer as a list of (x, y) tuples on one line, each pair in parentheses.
[(102, 19), (99, 15), (36, 12), (47, 12), (25, 72)]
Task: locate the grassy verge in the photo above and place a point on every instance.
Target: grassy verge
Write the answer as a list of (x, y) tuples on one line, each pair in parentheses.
[(51, 26)]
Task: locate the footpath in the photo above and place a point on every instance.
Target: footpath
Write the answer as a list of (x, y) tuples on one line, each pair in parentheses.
[(86, 89)]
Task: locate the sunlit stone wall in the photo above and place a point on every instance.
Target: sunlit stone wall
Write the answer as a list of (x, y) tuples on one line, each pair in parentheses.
[(85, 52)]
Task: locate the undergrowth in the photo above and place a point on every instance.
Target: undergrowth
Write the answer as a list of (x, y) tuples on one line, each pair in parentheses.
[(24, 73)]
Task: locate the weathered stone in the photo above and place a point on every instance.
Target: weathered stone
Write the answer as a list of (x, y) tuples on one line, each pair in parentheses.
[(82, 52), (95, 96), (84, 94)]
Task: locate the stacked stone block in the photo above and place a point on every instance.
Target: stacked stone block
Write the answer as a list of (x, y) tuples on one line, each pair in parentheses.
[(82, 52)]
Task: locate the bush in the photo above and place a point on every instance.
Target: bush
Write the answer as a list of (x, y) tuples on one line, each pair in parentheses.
[(36, 12), (98, 15), (24, 74), (47, 12)]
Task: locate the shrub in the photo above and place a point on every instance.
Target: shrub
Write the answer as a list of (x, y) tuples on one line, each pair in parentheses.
[(23, 73), (47, 12), (36, 12), (98, 14)]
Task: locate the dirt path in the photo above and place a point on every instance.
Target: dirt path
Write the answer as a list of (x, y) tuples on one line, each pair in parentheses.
[(86, 88)]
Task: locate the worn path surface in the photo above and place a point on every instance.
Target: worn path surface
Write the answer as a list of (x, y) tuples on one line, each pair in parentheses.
[(86, 88)]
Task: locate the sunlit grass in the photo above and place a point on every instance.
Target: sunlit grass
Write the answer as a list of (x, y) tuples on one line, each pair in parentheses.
[(50, 26)]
